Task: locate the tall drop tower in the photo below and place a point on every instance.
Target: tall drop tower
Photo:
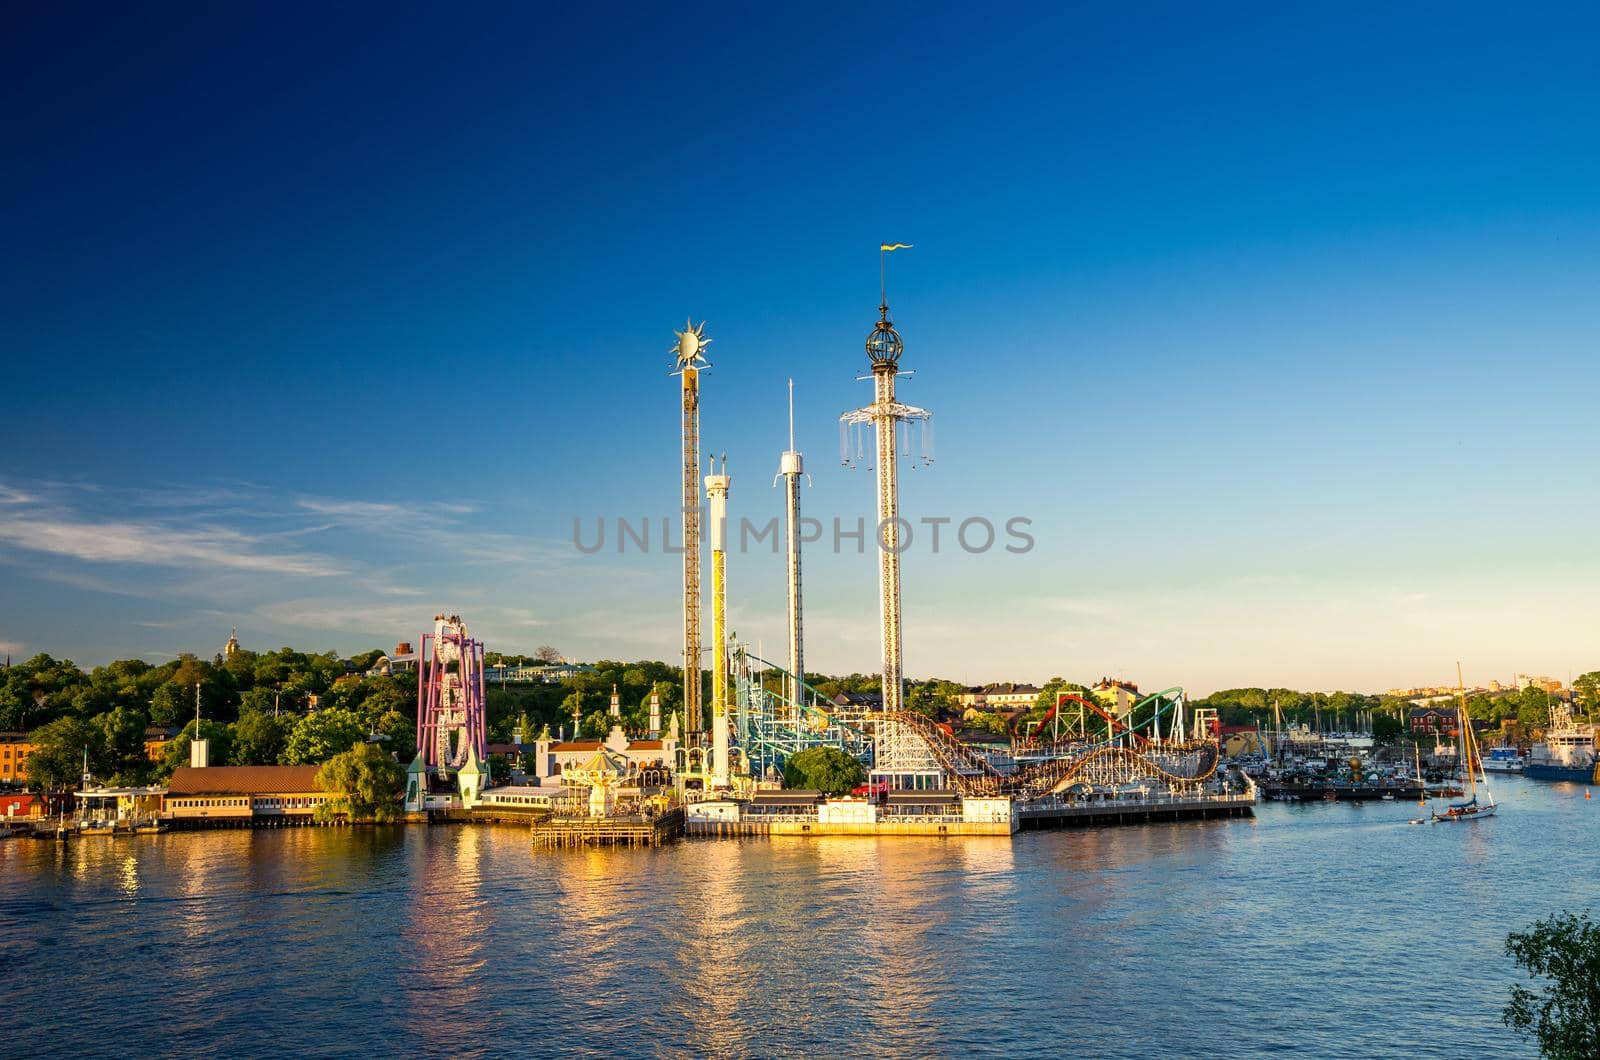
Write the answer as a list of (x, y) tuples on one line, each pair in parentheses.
[(886, 415), (691, 361), (790, 468), (717, 493)]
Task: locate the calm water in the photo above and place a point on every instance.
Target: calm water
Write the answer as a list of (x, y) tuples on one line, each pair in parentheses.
[(1325, 930)]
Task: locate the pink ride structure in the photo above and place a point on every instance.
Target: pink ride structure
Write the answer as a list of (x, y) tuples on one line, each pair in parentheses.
[(450, 717)]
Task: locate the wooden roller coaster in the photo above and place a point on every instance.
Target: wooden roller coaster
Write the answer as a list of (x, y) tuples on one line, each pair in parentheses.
[(1180, 765)]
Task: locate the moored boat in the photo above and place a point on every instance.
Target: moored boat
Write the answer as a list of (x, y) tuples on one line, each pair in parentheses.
[(1503, 760), (1567, 753)]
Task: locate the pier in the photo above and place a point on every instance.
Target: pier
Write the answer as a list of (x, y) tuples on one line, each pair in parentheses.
[(1061, 813), (608, 831), (951, 826)]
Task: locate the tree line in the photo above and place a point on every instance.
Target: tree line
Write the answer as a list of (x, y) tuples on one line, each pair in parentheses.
[(255, 707)]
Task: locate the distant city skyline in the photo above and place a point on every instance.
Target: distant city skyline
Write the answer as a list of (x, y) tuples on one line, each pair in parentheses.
[(1278, 326)]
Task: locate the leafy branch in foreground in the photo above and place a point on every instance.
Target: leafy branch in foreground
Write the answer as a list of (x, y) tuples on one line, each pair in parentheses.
[(1563, 1015)]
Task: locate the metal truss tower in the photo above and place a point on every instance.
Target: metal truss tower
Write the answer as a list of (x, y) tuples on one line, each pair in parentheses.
[(886, 415), (691, 361), (790, 468)]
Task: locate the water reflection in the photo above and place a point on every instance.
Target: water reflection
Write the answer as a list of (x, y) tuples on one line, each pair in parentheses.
[(462, 941), (444, 942)]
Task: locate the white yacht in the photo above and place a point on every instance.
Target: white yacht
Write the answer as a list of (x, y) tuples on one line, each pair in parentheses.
[(1503, 760)]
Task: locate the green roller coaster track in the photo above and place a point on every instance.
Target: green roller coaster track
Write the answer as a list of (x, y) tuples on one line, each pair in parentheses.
[(769, 727)]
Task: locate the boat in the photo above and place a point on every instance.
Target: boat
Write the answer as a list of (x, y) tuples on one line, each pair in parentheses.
[(1503, 760), (1471, 809), (1567, 753)]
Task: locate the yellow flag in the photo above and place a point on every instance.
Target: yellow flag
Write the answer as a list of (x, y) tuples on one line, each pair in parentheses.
[(894, 246)]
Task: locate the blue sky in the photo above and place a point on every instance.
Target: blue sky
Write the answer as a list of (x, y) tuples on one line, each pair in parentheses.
[(1279, 326)]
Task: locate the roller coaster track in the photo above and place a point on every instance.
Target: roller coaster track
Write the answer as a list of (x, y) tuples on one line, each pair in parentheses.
[(953, 756), (1192, 763), (769, 727), (1115, 766), (1035, 740)]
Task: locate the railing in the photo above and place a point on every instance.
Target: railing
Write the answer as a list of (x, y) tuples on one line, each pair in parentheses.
[(1056, 802)]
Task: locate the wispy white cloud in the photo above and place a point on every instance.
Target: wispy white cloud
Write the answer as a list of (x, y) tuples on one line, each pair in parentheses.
[(10, 647), (438, 524), (381, 514), (153, 544), (357, 511), (244, 553), (332, 613)]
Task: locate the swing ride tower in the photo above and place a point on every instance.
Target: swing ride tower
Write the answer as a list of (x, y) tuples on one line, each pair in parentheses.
[(886, 416)]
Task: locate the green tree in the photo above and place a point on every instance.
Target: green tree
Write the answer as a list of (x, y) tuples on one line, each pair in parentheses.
[(401, 733), (171, 704), (259, 739), (935, 698), (1386, 728), (122, 737), (56, 763), (1533, 708), (825, 769), (993, 721), (318, 737), (500, 769), (1587, 687), (220, 752), (367, 783), (257, 700), (1563, 1016)]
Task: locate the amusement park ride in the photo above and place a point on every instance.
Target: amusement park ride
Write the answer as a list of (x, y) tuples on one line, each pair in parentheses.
[(762, 714), (886, 415), (452, 733)]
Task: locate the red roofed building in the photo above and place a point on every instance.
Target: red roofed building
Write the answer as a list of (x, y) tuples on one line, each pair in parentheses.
[(21, 804), (243, 792)]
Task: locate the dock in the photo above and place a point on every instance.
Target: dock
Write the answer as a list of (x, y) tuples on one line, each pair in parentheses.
[(608, 831), (1062, 813), (952, 826), (1336, 792)]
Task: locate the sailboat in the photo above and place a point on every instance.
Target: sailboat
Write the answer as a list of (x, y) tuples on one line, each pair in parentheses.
[(1422, 785), (1471, 809)]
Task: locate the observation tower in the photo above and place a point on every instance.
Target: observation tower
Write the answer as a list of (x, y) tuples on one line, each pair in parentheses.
[(891, 421)]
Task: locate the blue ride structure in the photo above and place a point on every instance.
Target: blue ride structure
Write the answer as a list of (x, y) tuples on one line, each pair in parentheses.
[(770, 726)]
